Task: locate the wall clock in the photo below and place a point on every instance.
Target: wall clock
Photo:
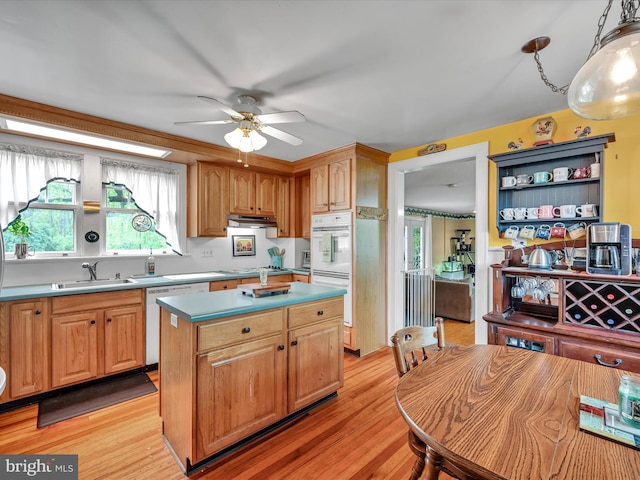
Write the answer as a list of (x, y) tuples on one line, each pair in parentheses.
[(141, 222)]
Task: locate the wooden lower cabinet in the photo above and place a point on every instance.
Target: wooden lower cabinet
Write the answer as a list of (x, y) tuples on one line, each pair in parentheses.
[(89, 344), (521, 338), (240, 390), (24, 347), (625, 359), (245, 373), (223, 285)]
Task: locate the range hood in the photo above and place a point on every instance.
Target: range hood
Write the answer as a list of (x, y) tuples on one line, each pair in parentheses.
[(251, 221)]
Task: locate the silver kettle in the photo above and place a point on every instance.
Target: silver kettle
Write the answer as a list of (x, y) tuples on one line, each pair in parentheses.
[(540, 259)]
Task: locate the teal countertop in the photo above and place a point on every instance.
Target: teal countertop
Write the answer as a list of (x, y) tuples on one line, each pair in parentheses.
[(38, 291), (198, 307)]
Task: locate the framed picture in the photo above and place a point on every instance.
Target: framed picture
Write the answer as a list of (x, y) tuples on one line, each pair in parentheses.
[(243, 245)]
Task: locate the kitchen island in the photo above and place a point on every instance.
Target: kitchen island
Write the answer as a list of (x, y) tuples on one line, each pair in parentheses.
[(233, 368)]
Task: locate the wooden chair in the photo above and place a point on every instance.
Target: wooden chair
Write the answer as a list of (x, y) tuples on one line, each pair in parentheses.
[(409, 349)]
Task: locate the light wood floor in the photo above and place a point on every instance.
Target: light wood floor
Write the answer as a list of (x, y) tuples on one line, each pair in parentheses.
[(359, 435)]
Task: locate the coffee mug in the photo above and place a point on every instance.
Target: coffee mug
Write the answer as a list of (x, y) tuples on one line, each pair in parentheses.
[(595, 170), (562, 174), (507, 213), (511, 232), (509, 181), (587, 210), (532, 213), (519, 213), (558, 230), (528, 232), (524, 179), (545, 211), (577, 230), (582, 172), (542, 177), (565, 211), (543, 232)]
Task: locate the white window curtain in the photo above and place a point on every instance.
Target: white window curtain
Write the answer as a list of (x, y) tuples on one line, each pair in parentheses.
[(155, 190), (24, 171)]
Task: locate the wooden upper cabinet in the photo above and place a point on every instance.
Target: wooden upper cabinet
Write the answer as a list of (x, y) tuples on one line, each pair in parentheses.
[(331, 187), (242, 191), (266, 194), (340, 185), (284, 207), (208, 205), (302, 207), (252, 193)]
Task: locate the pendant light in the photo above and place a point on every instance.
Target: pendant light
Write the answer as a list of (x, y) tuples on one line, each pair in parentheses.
[(607, 86)]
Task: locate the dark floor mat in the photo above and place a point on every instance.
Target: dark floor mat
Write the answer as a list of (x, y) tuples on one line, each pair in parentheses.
[(89, 399)]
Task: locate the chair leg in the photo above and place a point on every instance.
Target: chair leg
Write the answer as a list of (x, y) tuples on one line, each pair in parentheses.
[(417, 469), (433, 464)]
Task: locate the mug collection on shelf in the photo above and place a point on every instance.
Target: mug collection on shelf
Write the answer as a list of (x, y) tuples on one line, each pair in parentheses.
[(544, 212), (559, 174), (546, 232)]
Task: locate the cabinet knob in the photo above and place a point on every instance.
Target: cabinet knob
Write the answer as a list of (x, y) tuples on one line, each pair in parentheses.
[(324, 204), (93, 322), (38, 312), (246, 330), (280, 347), (108, 319), (294, 343), (320, 312), (225, 287)]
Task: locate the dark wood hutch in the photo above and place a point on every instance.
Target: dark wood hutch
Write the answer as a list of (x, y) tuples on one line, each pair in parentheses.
[(595, 318)]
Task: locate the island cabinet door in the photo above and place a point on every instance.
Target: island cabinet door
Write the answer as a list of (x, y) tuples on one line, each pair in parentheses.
[(315, 362), (240, 390)]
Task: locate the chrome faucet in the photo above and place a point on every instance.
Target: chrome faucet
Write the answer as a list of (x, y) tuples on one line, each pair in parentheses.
[(92, 270)]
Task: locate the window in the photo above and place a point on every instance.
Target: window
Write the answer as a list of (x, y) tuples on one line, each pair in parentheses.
[(51, 219), (128, 227)]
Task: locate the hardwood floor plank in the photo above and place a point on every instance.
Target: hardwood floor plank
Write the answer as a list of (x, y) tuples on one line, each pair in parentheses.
[(358, 436)]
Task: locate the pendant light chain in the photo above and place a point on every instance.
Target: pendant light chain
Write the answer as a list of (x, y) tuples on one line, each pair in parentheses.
[(629, 8)]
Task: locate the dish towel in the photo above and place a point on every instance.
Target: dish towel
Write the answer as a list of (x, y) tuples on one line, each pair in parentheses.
[(327, 247)]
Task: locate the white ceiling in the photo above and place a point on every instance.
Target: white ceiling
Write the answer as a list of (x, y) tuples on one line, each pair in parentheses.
[(389, 74)]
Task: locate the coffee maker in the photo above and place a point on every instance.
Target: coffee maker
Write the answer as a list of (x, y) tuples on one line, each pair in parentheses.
[(609, 249)]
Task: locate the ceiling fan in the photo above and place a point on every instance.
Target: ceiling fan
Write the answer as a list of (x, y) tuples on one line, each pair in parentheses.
[(251, 120)]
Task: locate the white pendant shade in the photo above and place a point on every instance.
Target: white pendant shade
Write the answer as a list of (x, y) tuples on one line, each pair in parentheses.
[(608, 84)]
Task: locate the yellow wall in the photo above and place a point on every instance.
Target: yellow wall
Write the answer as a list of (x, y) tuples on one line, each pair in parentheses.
[(620, 169)]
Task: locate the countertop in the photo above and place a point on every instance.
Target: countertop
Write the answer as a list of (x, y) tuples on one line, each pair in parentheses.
[(46, 290), (198, 307)]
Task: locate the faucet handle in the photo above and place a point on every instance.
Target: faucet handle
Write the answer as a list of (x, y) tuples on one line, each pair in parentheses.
[(85, 265)]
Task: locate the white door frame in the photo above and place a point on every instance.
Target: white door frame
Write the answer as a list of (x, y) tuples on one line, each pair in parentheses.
[(395, 233)]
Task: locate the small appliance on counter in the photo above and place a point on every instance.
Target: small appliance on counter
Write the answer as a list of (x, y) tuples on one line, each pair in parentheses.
[(609, 249), (306, 259)]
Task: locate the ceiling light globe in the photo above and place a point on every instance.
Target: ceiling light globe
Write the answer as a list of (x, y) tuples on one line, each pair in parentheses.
[(258, 140), (608, 84), (245, 145), (233, 138)]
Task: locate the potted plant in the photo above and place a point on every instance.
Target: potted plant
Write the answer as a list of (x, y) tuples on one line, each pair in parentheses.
[(21, 231)]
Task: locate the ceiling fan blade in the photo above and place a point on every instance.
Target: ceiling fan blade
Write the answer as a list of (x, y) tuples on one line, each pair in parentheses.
[(206, 122), (281, 117), (225, 108), (280, 135)]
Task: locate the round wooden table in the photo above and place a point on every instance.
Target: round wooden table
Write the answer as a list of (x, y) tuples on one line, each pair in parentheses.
[(507, 413)]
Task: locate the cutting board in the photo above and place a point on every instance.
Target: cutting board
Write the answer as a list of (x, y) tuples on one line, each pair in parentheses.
[(259, 290)]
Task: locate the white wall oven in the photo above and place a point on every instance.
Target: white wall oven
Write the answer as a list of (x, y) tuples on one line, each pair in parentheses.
[(331, 249)]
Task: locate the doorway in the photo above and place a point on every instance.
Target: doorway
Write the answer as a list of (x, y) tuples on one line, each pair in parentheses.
[(397, 172)]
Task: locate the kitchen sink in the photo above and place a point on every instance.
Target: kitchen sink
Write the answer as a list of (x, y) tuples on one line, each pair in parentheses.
[(90, 283)]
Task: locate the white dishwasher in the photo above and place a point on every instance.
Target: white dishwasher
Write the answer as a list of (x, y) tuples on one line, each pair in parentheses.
[(153, 313)]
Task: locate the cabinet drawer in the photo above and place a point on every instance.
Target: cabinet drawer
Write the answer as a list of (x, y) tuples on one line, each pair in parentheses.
[(239, 329), (316, 311), (223, 285), (600, 354), (514, 337), (94, 301)]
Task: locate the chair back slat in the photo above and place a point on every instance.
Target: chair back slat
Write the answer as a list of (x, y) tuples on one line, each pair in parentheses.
[(407, 341)]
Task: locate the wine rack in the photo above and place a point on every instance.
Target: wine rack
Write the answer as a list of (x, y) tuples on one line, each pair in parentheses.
[(614, 307)]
